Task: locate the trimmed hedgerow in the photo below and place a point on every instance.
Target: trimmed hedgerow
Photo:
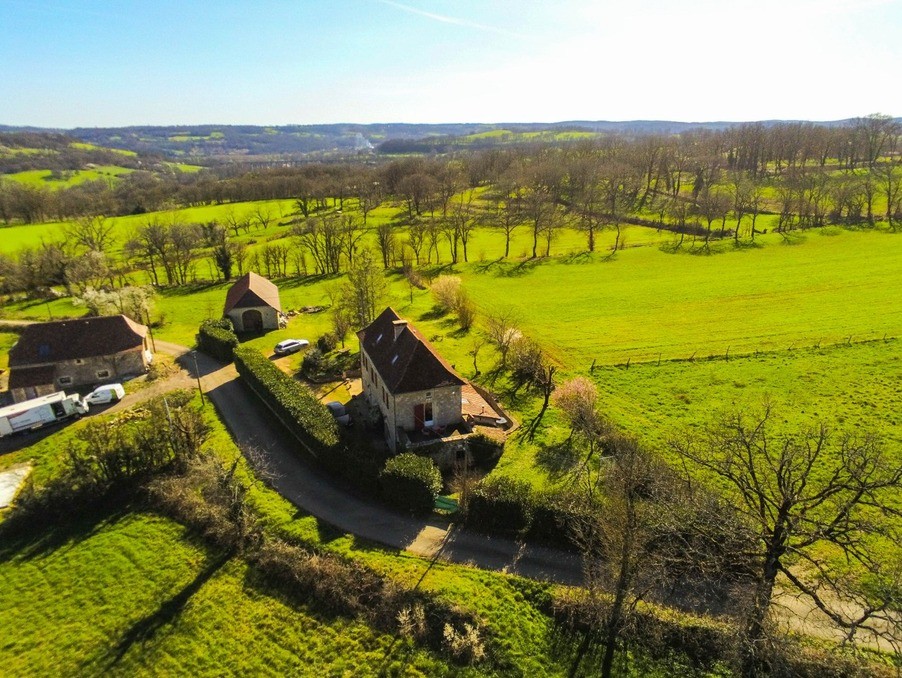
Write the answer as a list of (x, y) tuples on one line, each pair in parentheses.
[(301, 412), (294, 404), (411, 482), (217, 339), (509, 506), (501, 505)]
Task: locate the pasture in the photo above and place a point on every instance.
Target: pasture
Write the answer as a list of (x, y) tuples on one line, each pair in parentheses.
[(699, 331), (65, 179), (134, 595)]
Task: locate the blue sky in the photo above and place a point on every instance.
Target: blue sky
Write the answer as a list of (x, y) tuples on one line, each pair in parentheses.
[(67, 63)]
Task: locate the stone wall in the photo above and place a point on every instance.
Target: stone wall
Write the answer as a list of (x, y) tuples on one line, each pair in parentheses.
[(445, 406), (74, 374), (270, 317), (101, 369)]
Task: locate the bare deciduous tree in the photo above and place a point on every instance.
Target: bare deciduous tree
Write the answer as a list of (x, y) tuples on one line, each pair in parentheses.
[(805, 495)]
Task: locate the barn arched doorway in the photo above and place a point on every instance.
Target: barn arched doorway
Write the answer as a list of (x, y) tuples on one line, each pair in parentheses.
[(252, 320)]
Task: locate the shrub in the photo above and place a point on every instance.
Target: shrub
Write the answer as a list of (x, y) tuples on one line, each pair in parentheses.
[(466, 311), (110, 458), (484, 449), (410, 482), (500, 505), (465, 645), (327, 342), (552, 516), (212, 501), (216, 338), (446, 291), (313, 362)]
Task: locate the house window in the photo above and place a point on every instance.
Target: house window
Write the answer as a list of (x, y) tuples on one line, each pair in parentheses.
[(428, 419), (79, 361), (103, 374), (64, 381)]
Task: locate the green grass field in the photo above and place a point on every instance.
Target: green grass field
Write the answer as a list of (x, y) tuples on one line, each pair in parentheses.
[(94, 147), (744, 314), (45, 178), (135, 596)]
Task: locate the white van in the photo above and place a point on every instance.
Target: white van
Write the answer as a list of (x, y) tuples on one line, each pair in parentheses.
[(105, 394)]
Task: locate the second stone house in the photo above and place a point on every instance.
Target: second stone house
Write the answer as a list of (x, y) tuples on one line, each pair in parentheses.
[(403, 375), (70, 354)]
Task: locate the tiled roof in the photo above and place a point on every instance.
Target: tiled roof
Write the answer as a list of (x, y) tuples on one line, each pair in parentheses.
[(408, 362), (71, 339), (252, 290)]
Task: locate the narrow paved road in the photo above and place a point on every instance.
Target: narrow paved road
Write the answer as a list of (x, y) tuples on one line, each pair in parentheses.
[(316, 492)]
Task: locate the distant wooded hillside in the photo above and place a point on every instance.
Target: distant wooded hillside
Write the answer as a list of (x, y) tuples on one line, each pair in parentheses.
[(304, 142)]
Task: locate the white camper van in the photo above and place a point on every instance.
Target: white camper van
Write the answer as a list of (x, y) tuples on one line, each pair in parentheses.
[(110, 393)]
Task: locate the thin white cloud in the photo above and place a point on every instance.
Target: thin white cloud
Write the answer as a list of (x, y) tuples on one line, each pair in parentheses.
[(443, 18)]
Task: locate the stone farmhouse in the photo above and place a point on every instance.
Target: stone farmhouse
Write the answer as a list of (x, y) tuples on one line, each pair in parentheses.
[(252, 304), (415, 390), (66, 354)]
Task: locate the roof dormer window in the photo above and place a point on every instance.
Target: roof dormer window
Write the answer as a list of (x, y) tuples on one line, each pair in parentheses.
[(379, 338), (395, 359)]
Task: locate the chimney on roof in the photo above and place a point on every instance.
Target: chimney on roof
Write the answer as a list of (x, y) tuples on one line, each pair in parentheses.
[(399, 326)]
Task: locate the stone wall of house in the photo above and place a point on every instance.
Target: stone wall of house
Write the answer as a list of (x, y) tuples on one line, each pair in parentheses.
[(445, 406), (374, 390), (20, 395), (100, 369), (73, 374)]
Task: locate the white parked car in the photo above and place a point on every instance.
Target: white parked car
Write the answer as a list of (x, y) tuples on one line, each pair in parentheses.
[(290, 346), (110, 393)]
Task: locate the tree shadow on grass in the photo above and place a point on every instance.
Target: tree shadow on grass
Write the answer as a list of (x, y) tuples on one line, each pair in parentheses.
[(484, 266), (519, 269), (433, 314), (305, 280), (577, 258), (326, 531), (576, 649), (147, 627), (558, 460), (28, 537)]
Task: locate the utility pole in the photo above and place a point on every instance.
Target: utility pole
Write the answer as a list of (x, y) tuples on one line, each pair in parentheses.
[(203, 402)]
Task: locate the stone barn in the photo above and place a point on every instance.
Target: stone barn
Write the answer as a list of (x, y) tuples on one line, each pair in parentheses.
[(252, 304)]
